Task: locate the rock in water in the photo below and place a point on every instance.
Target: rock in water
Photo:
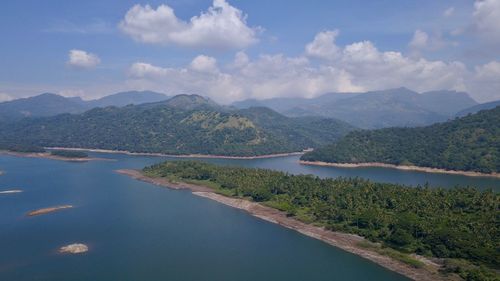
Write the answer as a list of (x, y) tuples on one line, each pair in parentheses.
[(74, 249)]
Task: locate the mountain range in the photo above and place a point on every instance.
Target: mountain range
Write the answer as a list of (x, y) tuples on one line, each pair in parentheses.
[(49, 104), (398, 107), (184, 124)]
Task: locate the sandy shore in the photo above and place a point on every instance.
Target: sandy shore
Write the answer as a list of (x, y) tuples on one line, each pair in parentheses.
[(50, 156), (10, 191), (48, 210), (180, 155), (400, 167), (347, 242)]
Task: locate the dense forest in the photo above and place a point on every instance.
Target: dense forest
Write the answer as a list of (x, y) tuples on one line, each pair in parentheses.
[(174, 129), (471, 143), (69, 153), (460, 225)]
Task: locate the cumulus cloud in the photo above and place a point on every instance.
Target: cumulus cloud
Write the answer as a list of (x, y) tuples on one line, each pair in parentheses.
[(486, 17), (355, 67), (420, 39), (221, 26), (323, 46), (204, 63), (486, 81), (82, 59)]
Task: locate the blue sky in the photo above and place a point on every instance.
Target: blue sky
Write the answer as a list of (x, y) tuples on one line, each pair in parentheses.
[(248, 49)]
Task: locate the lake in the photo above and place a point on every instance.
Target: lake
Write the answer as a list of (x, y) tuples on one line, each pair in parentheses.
[(137, 231)]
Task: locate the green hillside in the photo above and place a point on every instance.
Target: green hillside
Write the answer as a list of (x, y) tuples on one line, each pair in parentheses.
[(165, 128), (471, 143)]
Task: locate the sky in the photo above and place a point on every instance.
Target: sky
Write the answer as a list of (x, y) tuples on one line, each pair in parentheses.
[(232, 50)]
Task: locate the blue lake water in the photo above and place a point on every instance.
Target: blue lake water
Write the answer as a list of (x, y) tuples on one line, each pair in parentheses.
[(137, 231)]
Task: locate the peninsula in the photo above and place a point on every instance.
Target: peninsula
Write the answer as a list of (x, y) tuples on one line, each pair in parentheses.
[(383, 236)]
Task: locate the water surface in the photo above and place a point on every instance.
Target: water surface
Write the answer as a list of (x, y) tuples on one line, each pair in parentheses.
[(137, 231)]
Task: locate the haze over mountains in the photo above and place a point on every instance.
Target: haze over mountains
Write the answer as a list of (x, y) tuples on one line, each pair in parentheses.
[(377, 109), (185, 124), (398, 107), (49, 104)]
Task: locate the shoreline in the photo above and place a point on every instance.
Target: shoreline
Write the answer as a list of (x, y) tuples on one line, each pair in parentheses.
[(400, 167), (47, 155), (344, 241), (180, 155)]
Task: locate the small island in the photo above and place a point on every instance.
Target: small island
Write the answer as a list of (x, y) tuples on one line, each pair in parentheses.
[(48, 210), (70, 154), (10, 191), (423, 233), (30, 151), (77, 248)]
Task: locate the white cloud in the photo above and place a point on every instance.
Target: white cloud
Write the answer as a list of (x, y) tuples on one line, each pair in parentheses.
[(449, 12), (82, 59), (486, 81), (323, 46), (489, 71), (71, 93), (420, 40), (486, 17), (356, 67), (221, 26), (4, 97), (204, 63)]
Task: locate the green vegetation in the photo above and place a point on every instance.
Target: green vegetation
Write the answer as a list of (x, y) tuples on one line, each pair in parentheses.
[(69, 153), (160, 128), (460, 223), (471, 143), (22, 148)]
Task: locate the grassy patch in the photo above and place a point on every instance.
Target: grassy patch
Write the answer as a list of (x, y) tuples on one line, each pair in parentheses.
[(402, 257)]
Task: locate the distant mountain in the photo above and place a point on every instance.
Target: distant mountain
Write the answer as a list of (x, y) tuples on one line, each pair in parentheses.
[(126, 98), (445, 102), (42, 105), (190, 102), (377, 109), (479, 107), (471, 143), (176, 127), (51, 104)]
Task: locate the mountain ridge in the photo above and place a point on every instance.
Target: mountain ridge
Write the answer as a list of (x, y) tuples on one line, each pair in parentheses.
[(375, 109)]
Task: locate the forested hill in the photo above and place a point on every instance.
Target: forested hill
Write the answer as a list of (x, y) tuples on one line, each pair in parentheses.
[(163, 128), (471, 143)]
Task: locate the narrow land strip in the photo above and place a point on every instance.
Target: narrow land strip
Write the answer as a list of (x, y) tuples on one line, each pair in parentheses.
[(50, 156), (11, 191), (180, 155), (48, 210), (400, 167), (347, 242)]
